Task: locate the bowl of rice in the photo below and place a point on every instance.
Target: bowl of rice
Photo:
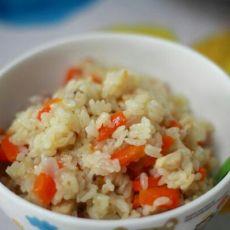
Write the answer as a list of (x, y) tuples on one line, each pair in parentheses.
[(110, 131)]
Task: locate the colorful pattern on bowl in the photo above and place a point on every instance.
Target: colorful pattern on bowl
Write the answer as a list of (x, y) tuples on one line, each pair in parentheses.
[(40, 224), (18, 224)]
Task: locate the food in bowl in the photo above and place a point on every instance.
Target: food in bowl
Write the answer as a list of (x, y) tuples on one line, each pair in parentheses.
[(108, 144)]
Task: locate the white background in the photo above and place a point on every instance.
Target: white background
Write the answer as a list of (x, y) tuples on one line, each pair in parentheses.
[(191, 20)]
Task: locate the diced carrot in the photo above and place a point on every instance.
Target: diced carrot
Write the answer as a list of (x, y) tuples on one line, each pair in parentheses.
[(148, 196), (96, 78), (3, 158), (44, 188), (105, 133), (60, 164), (167, 142), (143, 165), (117, 119), (152, 182), (203, 173), (147, 161), (173, 123), (74, 72), (10, 150), (136, 184), (47, 107), (128, 154), (136, 202)]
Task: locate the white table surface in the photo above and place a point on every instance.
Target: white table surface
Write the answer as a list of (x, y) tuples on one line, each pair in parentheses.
[(190, 20)]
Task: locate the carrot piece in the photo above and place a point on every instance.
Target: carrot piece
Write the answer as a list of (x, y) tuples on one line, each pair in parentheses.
[(3, 158), (47, 107), (10, 150), (136, 202), (128, 154), (147, 161), (105, 132), (143, 165), (96, 78), (60, 164), (152, 182), (117, 119), (173, 123), (148, 196), (203, 173), (167, 142), (136, 184), (44, 188), (72, 73)]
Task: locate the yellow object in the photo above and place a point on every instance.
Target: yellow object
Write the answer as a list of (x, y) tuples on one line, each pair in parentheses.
[(145, 30), (217, 48)]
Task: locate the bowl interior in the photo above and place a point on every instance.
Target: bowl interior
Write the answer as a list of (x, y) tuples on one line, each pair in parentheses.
[(207, 87)]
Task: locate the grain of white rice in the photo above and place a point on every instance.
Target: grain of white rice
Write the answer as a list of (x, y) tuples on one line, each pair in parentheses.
[(119, 135), (80, 98), (47, 165), (102, 120), (88, 194), (91, 130), (153, 151), (23, 151), (65, 207), (155, 111), (108, 186), (99, 207), (136, 105), (154, 172), (69, 185), (140, 133), (122, 207), (98, 107), (100, 163), (147, 210), (144, 181), (116, 83), (170, 162), (163, 200)]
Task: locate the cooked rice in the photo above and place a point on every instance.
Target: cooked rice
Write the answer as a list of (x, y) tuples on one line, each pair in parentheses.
[(90, 182), (144, 181)]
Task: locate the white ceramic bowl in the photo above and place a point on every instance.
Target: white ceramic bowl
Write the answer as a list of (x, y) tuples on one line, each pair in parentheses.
[(206, 86)]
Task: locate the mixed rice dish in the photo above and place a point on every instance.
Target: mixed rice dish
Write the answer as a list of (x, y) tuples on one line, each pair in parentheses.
[(108, 144)]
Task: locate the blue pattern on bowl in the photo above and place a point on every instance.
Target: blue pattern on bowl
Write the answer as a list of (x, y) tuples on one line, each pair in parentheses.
[(41, 224)]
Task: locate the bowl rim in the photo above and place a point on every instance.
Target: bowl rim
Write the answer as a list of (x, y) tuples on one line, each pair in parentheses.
[(120, 222)]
